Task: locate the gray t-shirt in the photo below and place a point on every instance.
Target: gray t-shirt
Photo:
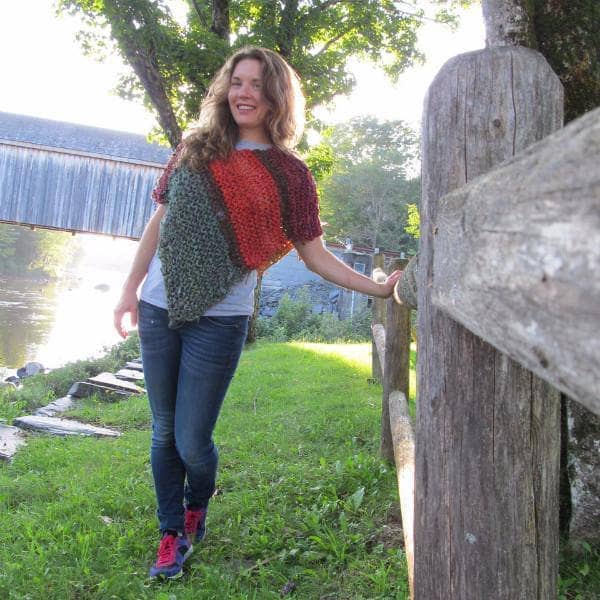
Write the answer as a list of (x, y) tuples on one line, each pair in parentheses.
[(239, 300)]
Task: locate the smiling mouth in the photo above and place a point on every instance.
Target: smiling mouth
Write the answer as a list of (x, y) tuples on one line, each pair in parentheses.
[(244, 107)]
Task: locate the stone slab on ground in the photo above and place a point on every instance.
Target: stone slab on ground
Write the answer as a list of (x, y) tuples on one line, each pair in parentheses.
[(130, 375), (109, 380), (60, 405), (84, 389), (11, 438), (134, 365), (56, 426)]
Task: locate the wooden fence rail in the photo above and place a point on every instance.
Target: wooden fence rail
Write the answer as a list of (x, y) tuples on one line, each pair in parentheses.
[(517, 258)]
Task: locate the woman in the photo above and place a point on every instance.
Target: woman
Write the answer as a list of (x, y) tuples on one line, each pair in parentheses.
[(232, 200)]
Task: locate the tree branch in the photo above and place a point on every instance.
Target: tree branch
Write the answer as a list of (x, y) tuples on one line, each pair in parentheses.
[(201, 17), (220, 19)]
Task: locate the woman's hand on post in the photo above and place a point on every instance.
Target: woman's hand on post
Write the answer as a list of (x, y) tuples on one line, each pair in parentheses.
[(128, 303), (388, 285)]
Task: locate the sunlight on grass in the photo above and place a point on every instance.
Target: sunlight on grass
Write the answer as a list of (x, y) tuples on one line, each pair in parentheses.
[(354, 355)]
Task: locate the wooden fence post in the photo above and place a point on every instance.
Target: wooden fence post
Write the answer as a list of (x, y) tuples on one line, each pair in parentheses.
[(378, 319), (487, 430), (397, 362)]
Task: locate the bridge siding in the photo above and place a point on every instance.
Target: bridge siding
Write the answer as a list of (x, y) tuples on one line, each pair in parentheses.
[(74, 193)]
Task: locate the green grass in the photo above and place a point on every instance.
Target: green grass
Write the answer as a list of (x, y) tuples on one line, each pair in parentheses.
[(303, 497)]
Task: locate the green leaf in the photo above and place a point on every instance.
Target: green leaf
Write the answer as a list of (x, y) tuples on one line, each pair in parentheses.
[(357, 498)]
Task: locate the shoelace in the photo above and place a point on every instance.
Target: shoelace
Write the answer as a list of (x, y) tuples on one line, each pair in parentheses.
[(166, 550), (192, 518)]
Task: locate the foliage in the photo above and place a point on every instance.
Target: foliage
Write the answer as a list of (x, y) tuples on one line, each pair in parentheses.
[(172, 63), (366, 195), (413, 221), (41, 251), (579, 571), (568, 36), (303, 496), (294, 320), (42, 389)]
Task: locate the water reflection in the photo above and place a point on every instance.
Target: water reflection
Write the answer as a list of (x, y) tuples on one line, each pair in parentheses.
[(67, 319), (26, 310)]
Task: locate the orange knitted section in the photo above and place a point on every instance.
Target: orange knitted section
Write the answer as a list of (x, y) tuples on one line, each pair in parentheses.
[(253, 203)]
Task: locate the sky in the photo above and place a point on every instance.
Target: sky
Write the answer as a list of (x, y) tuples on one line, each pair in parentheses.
[(44, 73)]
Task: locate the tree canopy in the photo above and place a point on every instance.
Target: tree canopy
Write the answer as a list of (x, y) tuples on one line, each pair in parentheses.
[(173, 63), (371, 182)]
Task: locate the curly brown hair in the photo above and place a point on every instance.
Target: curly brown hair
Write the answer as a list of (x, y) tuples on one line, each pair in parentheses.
[(216, 133)]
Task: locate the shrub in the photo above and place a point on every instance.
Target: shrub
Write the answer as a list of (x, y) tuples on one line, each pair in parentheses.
[(42, 389), (294, 320)]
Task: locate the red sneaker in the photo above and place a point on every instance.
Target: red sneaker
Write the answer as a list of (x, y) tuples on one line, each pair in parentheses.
[(195, 524)]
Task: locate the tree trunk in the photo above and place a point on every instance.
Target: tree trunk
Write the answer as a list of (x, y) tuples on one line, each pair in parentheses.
[(508, 23), (151, 79), (487, 430), (220, 20)]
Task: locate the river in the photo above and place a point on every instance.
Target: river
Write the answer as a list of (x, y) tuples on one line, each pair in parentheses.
[(65, 319)]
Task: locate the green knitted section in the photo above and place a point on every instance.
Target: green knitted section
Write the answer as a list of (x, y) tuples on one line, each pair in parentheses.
[(196, 266)]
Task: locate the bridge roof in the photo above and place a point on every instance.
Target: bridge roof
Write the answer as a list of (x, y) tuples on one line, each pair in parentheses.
[(80, 139)]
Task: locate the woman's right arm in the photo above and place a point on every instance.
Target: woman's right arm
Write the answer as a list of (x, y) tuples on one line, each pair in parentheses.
[(128, 303)]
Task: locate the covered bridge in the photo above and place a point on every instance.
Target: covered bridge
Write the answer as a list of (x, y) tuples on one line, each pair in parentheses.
[(76, 178)]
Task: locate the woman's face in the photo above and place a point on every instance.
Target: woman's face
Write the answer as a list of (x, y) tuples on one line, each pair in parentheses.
[(247, 102)]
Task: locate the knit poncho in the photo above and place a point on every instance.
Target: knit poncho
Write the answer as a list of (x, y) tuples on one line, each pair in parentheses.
[(236, 215)]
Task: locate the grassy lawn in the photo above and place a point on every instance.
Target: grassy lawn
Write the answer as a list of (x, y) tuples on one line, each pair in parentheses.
[(303, 500), (304, 505)]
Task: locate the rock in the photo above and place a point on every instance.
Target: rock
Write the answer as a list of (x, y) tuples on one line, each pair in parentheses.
[(16, 381), (31, 368), (10, 384), (132, 375), (584, 473), (57, 426), (134, 365), (102, 287), (11, 438), (84, 389), (110, 381), (60, 405)]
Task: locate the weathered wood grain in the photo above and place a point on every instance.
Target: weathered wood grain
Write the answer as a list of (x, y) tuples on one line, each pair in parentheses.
[(517, 258), (378, 316), (397, 361), (403, 437), (58, 190), (378, 331), (485, 454), (405, 290)]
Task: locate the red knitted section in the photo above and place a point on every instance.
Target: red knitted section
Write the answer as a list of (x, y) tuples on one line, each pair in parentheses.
[(252, 200), (301, 205)]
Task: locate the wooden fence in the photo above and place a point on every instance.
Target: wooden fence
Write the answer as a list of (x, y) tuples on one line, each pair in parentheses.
[(508, 316)]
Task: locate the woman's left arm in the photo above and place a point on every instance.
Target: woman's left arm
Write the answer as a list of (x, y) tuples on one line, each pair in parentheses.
[(322, 262)]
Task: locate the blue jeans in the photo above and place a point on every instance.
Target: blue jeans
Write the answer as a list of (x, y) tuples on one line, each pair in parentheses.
[(187, 372)]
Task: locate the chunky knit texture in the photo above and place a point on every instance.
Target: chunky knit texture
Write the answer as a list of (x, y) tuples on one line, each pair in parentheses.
[(236, 215)]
